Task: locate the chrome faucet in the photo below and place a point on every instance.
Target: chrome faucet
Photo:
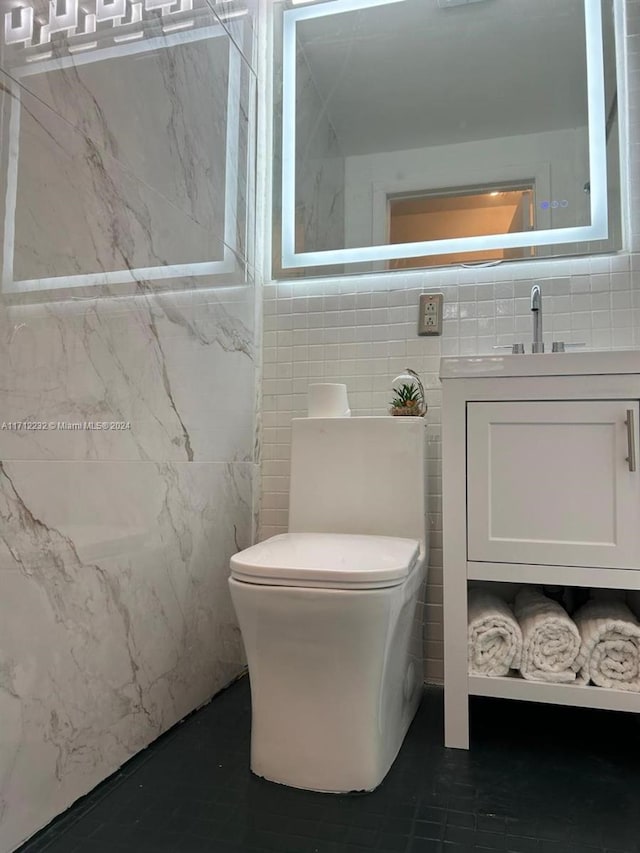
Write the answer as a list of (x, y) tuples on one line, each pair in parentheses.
[(536, 307)]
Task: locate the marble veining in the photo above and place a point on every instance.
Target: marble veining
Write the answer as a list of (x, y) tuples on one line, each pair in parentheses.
[(136, 365), (131, 188), (103, 651), (115, 616)]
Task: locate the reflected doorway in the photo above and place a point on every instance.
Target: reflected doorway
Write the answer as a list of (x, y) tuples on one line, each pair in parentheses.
[(461, 212)]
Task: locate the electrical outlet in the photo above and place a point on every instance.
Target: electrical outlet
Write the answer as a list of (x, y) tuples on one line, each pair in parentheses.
[(430, 316)]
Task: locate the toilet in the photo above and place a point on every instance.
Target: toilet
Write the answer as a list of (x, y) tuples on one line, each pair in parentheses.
[(329, 611)]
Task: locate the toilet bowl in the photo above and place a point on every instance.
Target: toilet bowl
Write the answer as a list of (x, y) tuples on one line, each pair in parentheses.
[(329, 612)]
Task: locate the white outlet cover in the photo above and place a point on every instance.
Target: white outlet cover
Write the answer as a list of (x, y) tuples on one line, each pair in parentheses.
[(430, 314)]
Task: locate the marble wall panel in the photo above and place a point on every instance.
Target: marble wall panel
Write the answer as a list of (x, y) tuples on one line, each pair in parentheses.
[(179, 370), (116, 617)]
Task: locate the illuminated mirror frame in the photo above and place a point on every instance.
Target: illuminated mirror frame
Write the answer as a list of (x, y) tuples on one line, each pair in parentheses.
[(127, 276), (597, 230)]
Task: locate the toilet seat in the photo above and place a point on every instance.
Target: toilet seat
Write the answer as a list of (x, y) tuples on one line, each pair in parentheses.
[(327, 560)]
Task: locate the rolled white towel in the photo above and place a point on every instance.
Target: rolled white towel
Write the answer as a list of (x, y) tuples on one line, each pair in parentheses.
[(610, 652), (550, 639), (495, 641)]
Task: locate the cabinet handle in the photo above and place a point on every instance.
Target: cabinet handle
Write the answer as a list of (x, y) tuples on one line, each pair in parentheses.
[(631, 439)]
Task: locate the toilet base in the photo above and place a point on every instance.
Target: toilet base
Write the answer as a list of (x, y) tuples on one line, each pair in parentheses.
[(333, 681), (369, 781)]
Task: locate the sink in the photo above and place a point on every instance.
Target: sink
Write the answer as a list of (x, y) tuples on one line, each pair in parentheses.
[(547, 364)]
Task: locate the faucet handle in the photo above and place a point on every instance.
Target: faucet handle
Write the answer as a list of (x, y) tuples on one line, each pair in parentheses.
[(560, 346), (516, 349)]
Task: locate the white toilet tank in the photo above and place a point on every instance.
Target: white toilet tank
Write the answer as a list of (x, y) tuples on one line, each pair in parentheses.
[(358, 475)]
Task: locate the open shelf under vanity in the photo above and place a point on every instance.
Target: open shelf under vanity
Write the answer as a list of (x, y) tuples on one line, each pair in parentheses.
[(581, 695)]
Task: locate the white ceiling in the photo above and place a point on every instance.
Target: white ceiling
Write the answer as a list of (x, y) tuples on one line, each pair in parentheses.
[(412, 74)]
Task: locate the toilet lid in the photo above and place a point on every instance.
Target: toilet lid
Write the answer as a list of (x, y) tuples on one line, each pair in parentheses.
[(331, 560)]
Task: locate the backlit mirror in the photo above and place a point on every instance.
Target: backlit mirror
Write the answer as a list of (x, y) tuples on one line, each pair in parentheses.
[(101, 189), (414, 133)]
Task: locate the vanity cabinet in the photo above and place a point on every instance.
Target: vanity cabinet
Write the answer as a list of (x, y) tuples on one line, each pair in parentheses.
[(540, 486), (550, 483)]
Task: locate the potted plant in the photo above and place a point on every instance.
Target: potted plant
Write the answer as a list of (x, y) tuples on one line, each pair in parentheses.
[(409, 397)]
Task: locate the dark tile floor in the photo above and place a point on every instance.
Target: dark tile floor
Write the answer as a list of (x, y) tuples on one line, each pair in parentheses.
[(537, 778)]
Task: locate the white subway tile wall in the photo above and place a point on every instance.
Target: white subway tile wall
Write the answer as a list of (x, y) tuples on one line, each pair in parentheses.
[(362, 330)]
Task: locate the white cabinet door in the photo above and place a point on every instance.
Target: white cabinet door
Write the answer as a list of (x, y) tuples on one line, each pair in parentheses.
[(550, 483)]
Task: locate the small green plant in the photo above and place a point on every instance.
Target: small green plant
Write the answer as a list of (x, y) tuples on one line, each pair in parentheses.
[(406, 396), (409, 397)]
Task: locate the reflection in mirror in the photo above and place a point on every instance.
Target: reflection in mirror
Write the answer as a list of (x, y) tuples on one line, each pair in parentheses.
[(102, 189), (458, 214), (414, 133)]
